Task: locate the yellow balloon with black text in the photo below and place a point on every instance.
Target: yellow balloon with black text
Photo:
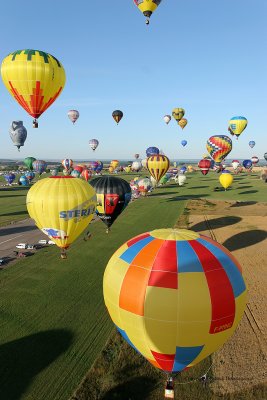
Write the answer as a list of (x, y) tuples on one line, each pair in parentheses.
[(62, 207)]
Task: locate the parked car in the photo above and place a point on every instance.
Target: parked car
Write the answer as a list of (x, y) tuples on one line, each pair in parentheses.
[(2, 261), (42, 241), (22, 246), (50, 242), (30, 247)]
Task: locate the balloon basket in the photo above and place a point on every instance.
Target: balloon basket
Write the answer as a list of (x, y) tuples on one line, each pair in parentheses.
[(35, 123), (169, 389), (63, 254)]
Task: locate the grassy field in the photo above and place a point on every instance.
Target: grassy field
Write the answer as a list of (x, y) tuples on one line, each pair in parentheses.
[(53, 320), (245, 187)]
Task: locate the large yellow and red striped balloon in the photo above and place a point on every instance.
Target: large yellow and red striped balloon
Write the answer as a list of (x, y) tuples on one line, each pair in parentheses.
[(158, 165), (176, 296), (34, 78)]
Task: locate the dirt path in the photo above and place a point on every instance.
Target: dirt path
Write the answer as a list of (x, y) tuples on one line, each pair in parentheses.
[(240, 227)]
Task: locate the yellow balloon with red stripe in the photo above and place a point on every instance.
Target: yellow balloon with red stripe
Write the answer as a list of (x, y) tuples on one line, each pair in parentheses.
[(62, 207), (158, 165), (34, 78), (147, 7)]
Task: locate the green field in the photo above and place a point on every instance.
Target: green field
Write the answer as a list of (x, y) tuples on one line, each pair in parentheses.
[(245, 187), (53, 320)]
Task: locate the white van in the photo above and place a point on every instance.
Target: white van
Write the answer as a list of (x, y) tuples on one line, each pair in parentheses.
[(22, 246), (42, 241)]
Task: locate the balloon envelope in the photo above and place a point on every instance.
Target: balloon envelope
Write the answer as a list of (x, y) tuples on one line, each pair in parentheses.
[(62, 207), (73, 115), (184, 143), (251, 144), (158, 165), (162, 290), (178, 113), (34, 78), (237, 125), (182, 123), (93, 143), (28, 162), (113, 195), (167, 119), (67, 163), (226, 179), (39, 166), (247, 164), (151, 151), (117, 115), (147, 7), (10, 178), (219, 146), (18, 133)]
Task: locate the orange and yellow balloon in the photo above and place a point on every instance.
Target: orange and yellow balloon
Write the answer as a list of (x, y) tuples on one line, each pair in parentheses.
[(182, 123), (34, 78)]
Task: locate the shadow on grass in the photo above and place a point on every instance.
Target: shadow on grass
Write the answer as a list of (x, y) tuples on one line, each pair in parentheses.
[(245, 239), (11, 195), (162, 194), (24, 358), (248, 192), (198, 187), (14, 213), (246, 187), (17, 229), (13, 189), (137, 388), (243, 203), (188, 197), (215, 223)]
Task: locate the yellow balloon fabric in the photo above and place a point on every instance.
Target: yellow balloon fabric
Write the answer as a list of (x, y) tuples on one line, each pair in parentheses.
[(34, 78), (178, 114), (147, 6), (226, 180), (110, 170), (62, 207), (158, 165), (114, 163), (174, 295), (182, 123), (237, 125)]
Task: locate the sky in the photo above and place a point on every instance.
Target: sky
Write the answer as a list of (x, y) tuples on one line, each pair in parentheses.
[(208, 57)]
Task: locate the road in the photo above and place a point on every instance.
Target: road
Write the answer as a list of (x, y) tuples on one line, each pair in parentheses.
[(19, 232)]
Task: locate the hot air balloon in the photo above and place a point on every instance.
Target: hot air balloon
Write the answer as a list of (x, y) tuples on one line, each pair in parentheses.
[(79, 168), (183, 170), (92, 165), (226, 179), (67, 163), (163, 180), (73, 115), (147, 7), (136, 166), (144, 185), (18, 133), (62, 208), (251, 144), (175, 296), (23, 180), (113, 195), (158, 165), (28, 162), (86, 174), (237, 125), (152, 151), (235, 164), (255, 160), (110, 169), (93, 143), (167, 119), (182, 123), (99, 167), (184, 143), (178, 114), (10, 178), (204, 166), (181, 179), (136, 156), (127, 169), (30, 175), (117, 116), (75, 173), (114, 163), (219, 146), (34, 78), (39, 166), (247, 164), (54, 171)]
